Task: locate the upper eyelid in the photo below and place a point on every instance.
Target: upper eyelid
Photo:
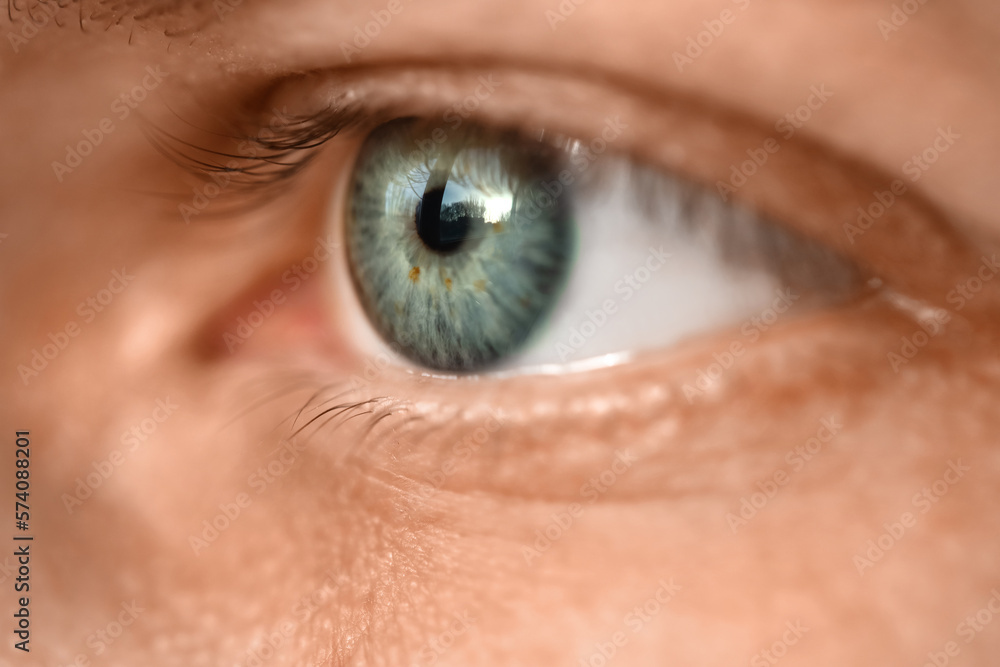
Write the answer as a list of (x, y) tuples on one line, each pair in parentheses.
[(812, 188)]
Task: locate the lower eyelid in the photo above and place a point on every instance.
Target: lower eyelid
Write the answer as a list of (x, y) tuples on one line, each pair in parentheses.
[(576, 422), (828, 362)]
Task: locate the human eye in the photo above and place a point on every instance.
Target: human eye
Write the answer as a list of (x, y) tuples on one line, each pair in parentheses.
[(463, 244), (476, 243)]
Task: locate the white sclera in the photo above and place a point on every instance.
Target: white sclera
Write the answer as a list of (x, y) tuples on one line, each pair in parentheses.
[(694, 290)]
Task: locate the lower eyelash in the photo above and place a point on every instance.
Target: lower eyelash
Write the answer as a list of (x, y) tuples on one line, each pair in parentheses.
[(327, 408)]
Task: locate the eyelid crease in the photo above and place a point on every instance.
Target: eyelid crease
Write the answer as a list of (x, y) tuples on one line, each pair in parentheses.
[(807, 185)]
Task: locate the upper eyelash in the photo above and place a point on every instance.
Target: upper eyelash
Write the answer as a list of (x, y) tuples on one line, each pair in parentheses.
[(264, 154), (279, 151), (254, 155)]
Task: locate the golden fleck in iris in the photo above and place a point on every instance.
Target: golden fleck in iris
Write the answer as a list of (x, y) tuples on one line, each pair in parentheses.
[(480, 285), (415, 274), (444, 278)]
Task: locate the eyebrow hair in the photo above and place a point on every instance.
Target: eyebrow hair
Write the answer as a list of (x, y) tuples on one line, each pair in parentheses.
[(173, 17), (154, 9)]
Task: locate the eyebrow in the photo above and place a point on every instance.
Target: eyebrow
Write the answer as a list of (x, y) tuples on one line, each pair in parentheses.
[(173, 17), (159, 9)]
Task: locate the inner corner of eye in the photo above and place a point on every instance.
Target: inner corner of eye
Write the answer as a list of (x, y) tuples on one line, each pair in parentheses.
[(474, 250)]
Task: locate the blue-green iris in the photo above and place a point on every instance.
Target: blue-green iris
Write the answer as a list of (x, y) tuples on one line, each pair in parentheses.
[(456, 246)]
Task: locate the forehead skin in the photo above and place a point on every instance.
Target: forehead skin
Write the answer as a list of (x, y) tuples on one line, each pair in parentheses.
[(342, 555)]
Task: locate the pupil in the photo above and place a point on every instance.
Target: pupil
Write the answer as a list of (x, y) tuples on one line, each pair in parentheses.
[(444, 226)]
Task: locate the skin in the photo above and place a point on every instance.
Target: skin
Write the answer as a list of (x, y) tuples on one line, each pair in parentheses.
[(377, 529)]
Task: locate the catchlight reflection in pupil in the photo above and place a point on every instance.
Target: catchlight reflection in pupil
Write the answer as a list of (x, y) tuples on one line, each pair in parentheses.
[(456, 249), (450, 209)]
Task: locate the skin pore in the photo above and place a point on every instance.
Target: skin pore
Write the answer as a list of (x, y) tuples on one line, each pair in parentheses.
[(528, 519)]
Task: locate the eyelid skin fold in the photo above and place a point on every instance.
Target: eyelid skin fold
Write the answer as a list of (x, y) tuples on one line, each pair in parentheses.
[(804, 185)]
